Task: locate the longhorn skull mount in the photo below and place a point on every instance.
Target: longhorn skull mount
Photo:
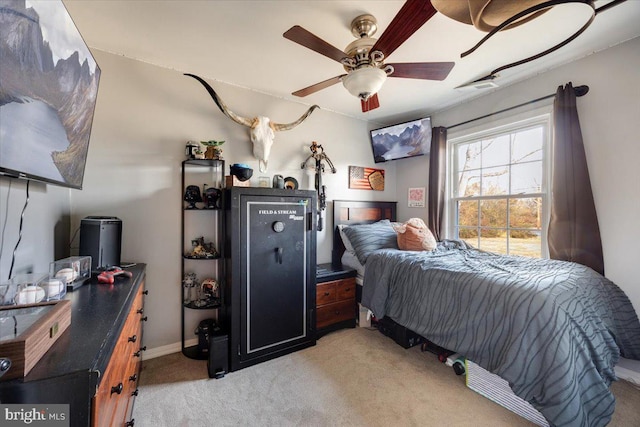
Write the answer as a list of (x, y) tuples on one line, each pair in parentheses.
[(261, 129)]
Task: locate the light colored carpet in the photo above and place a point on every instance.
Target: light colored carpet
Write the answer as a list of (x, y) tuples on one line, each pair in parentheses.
[(352, 377)]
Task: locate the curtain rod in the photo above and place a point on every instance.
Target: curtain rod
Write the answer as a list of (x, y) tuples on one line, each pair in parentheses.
[(578, 90)]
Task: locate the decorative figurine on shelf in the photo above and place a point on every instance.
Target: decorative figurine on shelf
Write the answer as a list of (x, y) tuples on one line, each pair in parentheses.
[(202, 249), (191, 148), (214, 151), (188, 282), (211, 197), (209, 291), (192, 196)]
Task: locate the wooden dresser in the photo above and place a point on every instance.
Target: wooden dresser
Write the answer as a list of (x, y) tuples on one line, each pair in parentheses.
[(335, 299), (95, 364)]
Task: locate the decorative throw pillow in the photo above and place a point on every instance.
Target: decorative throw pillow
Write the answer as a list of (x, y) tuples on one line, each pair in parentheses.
[(414, 235), (366, 238)]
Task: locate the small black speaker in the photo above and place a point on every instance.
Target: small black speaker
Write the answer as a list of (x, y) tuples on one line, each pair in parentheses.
[(101, 238), (218, 362)]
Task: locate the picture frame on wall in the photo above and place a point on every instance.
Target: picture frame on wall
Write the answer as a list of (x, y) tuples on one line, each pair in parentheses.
[(416, 197), (364, 178)]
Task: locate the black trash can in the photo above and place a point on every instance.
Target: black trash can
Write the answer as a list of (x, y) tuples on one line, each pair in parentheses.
[(218, 361)]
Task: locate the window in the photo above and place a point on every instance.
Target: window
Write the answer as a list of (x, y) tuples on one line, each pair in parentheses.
[(499, 190)]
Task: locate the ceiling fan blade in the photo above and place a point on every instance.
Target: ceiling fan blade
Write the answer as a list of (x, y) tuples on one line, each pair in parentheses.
[(305, 38), (318, 86), (370, 103), (422, 70), (409, 19)]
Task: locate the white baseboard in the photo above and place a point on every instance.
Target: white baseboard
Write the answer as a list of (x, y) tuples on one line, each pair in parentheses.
[(152, 353), (629, 370)]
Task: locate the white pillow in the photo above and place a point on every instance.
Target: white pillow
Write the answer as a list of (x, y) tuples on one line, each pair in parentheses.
[(345, 240)]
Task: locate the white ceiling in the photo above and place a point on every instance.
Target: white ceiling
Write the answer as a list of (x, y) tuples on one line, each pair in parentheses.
[(241, 43)]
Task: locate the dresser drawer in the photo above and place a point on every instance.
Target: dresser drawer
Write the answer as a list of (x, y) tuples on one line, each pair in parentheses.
[(325, 293), (335, 312)]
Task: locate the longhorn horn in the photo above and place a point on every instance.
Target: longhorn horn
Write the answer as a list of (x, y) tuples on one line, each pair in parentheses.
[(289, 126), (227, 112)]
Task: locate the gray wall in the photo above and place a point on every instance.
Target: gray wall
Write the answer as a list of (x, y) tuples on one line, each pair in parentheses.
[(45, 226), (609, 119)]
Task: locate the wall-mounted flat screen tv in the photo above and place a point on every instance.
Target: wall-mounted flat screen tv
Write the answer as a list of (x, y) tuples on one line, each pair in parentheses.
[(48, 89), (400, 141)]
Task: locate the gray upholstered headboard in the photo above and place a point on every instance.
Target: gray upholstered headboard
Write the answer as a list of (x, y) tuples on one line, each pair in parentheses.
[(352, 212)]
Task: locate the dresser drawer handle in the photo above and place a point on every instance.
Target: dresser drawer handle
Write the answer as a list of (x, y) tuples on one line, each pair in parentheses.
[(143, 319), (140, 311), (133, 377), (134, 393), (130, 423), (337, 312), (326, 294), (139, 352), (347, 289), (145, 292), (133, 338), (117, 389)]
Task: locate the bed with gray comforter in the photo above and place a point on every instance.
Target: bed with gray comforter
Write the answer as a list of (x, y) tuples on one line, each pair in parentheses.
[(553, 329)]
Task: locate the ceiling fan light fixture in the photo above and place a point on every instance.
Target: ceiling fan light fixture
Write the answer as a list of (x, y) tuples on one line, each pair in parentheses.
[(364, 82)]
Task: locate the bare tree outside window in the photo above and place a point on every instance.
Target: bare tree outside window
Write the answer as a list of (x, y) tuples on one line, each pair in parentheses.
[(499, 191)]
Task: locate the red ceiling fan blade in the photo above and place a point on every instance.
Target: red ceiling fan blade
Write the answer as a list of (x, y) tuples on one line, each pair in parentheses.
[(370, 103), (305, 38), (409, 19), (422, 70), (318, 86)]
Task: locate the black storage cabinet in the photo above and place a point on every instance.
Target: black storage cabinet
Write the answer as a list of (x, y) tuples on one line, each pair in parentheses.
[(269, 308)]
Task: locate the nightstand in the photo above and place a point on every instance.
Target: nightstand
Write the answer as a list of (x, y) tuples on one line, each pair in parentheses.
[(335, 298)]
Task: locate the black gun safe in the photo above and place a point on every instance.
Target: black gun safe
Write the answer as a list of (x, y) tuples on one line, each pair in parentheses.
[(269, 306)]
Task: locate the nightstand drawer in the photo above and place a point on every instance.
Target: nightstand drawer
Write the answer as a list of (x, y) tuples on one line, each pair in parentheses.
[(336, 312), (346, 289), (326, 293)]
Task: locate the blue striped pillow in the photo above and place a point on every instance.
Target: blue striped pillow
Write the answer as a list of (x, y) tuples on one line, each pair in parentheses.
[(366, 238)]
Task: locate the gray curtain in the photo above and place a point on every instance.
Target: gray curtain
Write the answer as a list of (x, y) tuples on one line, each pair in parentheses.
[(574, 234), (437, 170)]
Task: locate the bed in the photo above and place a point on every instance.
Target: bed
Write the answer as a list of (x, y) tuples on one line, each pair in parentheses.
[(554, 330)]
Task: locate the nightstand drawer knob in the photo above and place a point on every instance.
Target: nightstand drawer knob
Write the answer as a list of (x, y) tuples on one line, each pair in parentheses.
[(337, 312), (130, 423), (347, 289), (133, 338), (133, 377), (134, 393), (326, 294)]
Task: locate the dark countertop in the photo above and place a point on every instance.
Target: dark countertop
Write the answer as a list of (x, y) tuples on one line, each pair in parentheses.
[(98, 312)]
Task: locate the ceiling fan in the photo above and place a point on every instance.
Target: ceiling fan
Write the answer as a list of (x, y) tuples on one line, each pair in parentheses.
[(363, 59)]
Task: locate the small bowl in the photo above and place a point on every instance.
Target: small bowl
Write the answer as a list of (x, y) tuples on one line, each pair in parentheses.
[(241, 172)]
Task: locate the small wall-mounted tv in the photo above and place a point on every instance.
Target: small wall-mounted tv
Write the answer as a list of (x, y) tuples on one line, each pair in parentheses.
[(48, 89), (408, 139)]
